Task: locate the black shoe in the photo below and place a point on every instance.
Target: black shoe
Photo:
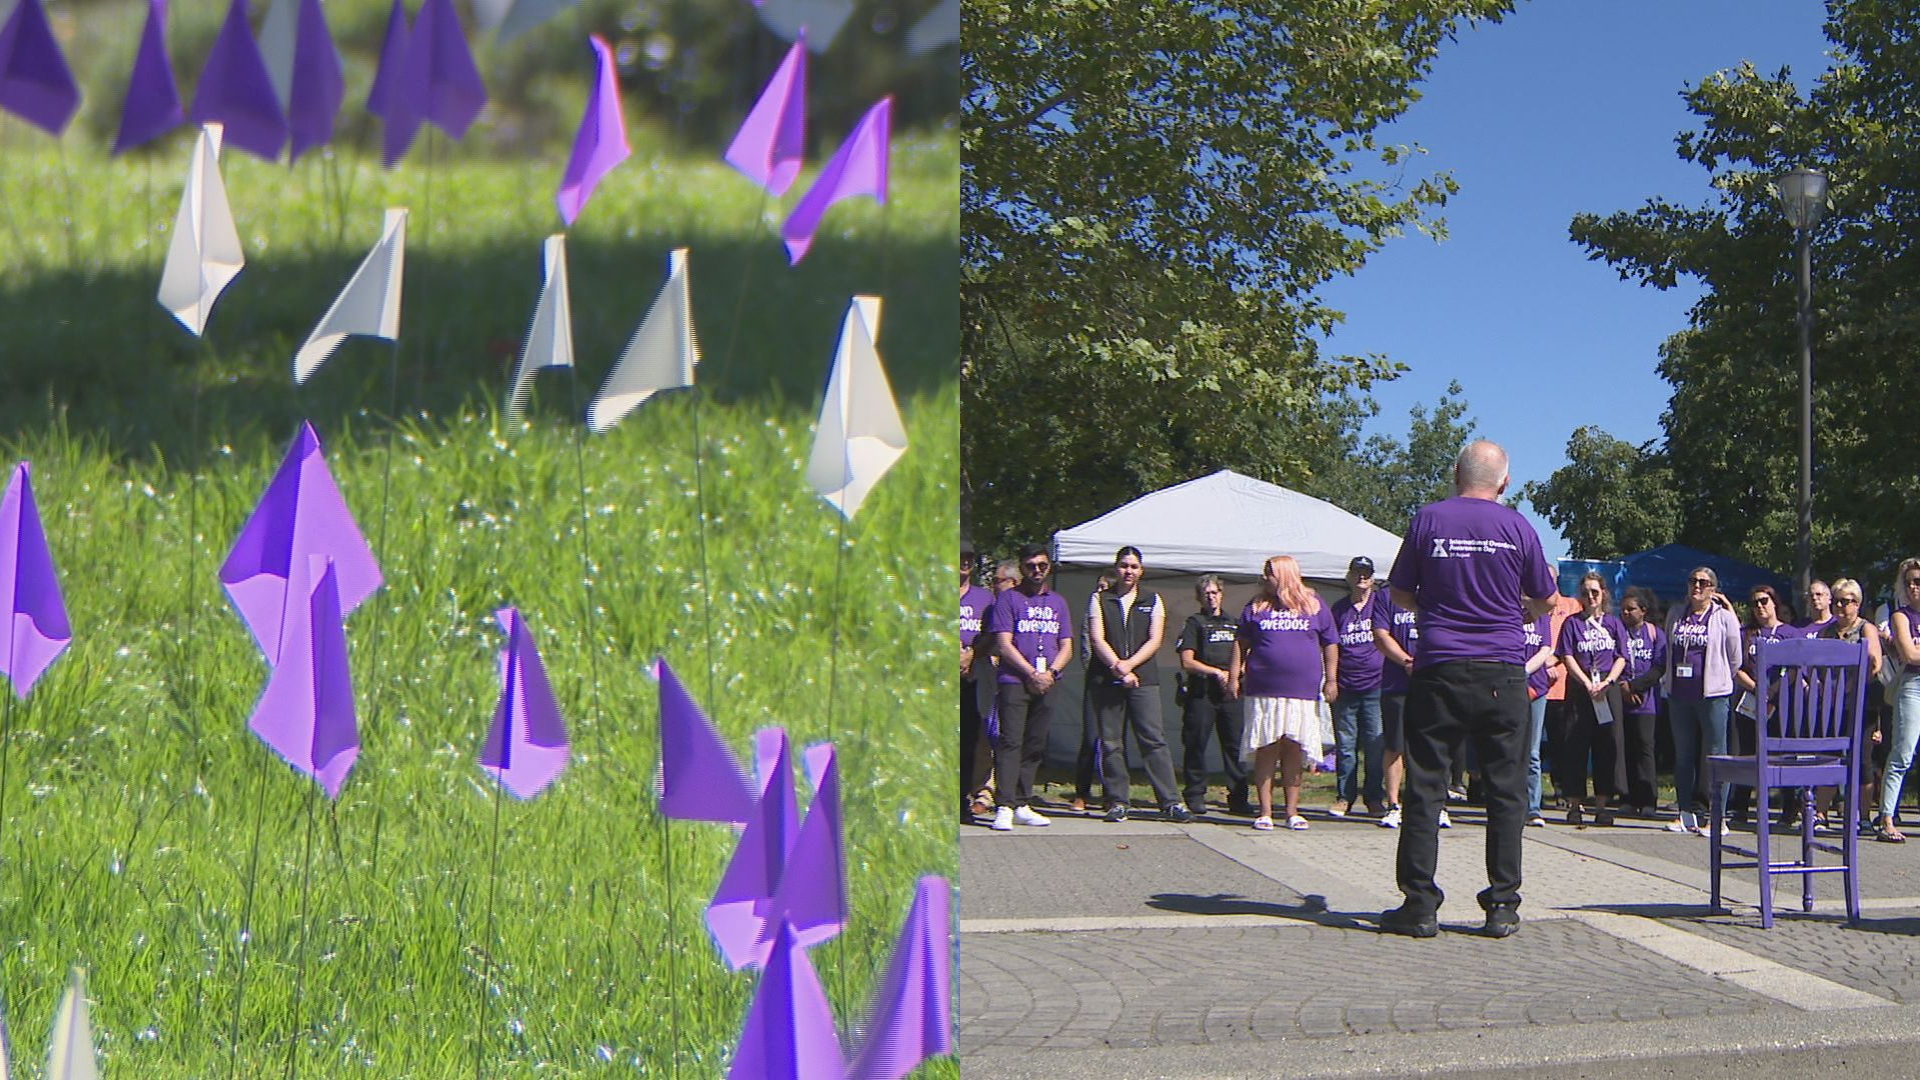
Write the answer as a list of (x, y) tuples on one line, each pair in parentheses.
[(1117, 812), (1603, 817), (1502, 921), (1198, 806), (1177, 813), (1243, 808), (1408, 921)]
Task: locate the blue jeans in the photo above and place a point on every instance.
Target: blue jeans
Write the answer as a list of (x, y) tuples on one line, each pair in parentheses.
[(1699, 728), (1356, 724), (1535, 733), (1906, 731)]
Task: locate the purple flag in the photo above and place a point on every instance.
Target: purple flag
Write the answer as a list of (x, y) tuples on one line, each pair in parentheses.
[(812, 898), (772, 139), (909, 1020), (300, 514), (235, 90), (859, 167), (317, 88), (443, 67), (306, 713), (153, 104), (527, 745), (602, 141), (393, 59), (35, 84), (699, 779), (737, 916), (788, 1034), (36, 628)]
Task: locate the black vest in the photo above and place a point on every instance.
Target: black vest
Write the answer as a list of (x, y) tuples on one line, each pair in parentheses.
[(1126, 631)]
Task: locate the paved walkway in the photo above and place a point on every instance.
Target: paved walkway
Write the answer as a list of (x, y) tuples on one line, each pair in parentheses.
[(1150, 949)]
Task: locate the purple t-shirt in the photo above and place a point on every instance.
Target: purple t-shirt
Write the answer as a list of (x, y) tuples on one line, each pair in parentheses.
[(1404, 627), (1038, 625), (1468, 562), (1913, 632), (1535, 634), (1688, 647), (1776, 632), (1646, 650), (1594, 644), (973, 613), (1283, 652), (1359, 658), (1809, 628)]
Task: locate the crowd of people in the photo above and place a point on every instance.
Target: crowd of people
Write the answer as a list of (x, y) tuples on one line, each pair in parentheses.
[(1291, 678)]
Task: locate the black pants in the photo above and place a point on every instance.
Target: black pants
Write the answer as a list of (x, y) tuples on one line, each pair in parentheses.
[(1118, 709), (1642, 785), (1487, 701), (1024, 719), (1586, 735), (1087, 762), (970, 770), (1206, 715)]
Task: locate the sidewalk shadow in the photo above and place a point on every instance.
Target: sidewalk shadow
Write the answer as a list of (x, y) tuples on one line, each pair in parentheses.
[(1749, 915), (1311, 909)]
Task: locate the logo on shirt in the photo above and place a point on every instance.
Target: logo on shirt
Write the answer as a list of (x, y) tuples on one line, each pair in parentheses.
[(1465, 547), (969, 619), (1038, 620), (1274, 619), (1440, 548)]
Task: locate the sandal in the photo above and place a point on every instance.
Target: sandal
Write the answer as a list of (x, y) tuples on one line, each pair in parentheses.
[(1884, 831), (1297, 823), (1263, 823)]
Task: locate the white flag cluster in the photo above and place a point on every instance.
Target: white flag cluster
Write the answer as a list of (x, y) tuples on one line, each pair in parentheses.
[(661, 355), (550, 338), (370, 304), (860, 435)]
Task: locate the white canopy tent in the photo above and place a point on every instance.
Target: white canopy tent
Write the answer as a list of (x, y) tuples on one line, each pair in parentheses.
[(1225, 524)]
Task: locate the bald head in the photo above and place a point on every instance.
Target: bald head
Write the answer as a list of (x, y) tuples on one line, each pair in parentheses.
[(1480, 472)]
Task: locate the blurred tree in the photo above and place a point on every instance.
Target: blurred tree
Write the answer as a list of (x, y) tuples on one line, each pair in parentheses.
[(1611, 499)]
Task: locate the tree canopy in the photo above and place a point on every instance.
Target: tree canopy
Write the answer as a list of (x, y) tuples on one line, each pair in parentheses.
[(1612, 498), (1152, 192), (1732, 426)]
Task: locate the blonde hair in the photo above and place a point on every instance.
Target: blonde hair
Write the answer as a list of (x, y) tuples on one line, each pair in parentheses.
[(1899, 580), (1292, 592), (1606, 594), (1851, 588)]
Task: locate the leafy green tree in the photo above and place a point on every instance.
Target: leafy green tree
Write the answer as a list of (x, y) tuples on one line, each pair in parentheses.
[(1732, 427), (1152, 191), (1612, 498), (1387, 479)]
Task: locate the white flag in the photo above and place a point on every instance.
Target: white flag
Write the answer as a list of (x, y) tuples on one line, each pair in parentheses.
[(819, 20), (941, 26), (859, 436), (205, 254), (276, 41), (550, 338), (661, 356), (70, 1048), (370, 304)]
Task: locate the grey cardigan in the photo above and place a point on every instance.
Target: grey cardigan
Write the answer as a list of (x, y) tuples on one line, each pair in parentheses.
[(1724, 655)]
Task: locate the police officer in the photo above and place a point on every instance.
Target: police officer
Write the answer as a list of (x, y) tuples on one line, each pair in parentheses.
[(1205, 648)]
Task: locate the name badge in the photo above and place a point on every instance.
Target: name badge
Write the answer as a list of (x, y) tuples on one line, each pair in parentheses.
[(1683, 671)]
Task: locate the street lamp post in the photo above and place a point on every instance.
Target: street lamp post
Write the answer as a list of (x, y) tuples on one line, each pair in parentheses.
[(1803, 194)]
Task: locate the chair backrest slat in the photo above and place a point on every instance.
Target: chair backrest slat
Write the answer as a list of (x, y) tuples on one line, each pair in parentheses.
[(1812, 696)]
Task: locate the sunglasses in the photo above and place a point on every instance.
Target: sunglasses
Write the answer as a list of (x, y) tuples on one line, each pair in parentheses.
[(1761, 600), (1701, 583), (1846, 601), (1041, 564), (1912, 581)]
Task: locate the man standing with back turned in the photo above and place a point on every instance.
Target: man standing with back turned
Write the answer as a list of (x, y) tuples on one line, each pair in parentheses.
[(1470, 567)]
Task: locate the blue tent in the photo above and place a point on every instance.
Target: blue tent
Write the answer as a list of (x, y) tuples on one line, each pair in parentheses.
[(1663, 570)]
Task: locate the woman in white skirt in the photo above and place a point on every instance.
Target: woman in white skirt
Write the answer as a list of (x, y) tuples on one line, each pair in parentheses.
[(1285, 659)]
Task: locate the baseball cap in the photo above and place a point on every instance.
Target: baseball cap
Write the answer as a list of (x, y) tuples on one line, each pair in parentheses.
[(1360, 563)]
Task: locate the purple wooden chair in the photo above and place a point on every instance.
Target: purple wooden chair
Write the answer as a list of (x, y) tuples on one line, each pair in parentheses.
[(1808, 734)]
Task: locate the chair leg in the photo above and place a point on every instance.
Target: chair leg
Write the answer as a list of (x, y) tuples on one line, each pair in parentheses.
[(1806, 847), (1852, 838), (1763, 830), (1716, 810)]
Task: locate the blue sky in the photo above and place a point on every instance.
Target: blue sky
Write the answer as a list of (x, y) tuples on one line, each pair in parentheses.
[(1564, 107)]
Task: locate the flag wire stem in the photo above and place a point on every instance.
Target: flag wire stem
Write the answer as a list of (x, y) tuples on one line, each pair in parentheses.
[(300, 963), (246, 921), (833, 670), (66, 181), (483, 963), (586, 559)]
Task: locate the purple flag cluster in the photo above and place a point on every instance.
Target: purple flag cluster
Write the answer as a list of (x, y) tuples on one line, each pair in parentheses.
[(426, 75), (36, 628), (772, 139), (601, 142), (297, 569), (152, 105), (313, 102), (35, 84), (526, 748), (859, 167), (236, 91)]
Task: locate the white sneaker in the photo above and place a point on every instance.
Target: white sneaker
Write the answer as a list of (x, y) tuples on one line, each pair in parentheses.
[(1682, 824), (1445, 821), (1027, 815), (1002, 820), (1391, 819)]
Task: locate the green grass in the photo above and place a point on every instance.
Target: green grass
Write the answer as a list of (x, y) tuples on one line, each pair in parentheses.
[(133, 789)]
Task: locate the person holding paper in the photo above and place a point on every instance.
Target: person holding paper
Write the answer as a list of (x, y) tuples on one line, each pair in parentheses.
[(1593, 645), (1703, 651)]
